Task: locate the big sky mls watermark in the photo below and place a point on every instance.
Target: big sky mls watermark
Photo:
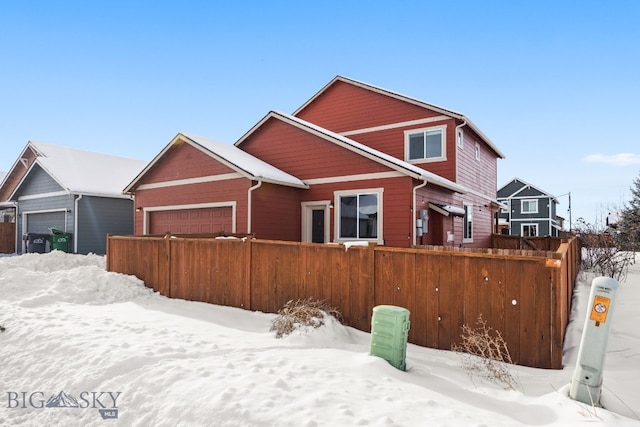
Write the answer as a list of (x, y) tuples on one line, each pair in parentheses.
[(106, 402)]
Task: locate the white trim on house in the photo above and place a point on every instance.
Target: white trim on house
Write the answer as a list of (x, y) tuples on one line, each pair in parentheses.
[(187, 181), (460, 137), (407, 99), (522, 226), (425, 159), (146, 210), (467, 218), (43, 195), (307, 224), (358, 148), (25, 227), (349, 178), (395, 125), (530, 200), (336, 214)]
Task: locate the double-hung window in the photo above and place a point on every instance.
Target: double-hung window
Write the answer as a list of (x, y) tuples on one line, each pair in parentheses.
[(530, 206), (425, 144), (359, 214)]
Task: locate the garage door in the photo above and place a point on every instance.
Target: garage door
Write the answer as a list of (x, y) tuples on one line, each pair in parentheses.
[(191, 221), (40, 222)]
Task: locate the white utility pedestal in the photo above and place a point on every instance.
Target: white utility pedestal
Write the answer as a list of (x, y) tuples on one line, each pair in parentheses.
[(586, 382)]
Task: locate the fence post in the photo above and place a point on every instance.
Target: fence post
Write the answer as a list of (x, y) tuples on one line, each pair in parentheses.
[(168, 264), (247, 276), (107, 262)]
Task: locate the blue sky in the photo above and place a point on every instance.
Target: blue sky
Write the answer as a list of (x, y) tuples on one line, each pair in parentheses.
[(555, 85)]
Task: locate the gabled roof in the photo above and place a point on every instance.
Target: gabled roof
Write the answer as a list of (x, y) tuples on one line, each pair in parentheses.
[(524, 185), (83, 172), (409, 100), (358, 148), (244, 163)]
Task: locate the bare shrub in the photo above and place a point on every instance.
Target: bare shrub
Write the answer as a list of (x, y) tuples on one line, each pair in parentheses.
[(484, 352), (308, 312), (602, 252)]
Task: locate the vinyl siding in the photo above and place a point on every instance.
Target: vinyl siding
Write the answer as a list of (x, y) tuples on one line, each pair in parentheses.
[(37, 182), (276, 213), (305, 155), (479, 175), (345, 107), (16, 174), (183, 161), (206, 192), (99, 216)]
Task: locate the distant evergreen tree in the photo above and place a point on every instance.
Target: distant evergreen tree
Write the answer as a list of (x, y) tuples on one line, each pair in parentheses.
[(629, 223)]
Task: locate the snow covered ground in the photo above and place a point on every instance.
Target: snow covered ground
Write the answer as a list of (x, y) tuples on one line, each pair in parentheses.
[(95, 345)]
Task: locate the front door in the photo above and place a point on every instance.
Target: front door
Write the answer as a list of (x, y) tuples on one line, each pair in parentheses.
[(315, 223)]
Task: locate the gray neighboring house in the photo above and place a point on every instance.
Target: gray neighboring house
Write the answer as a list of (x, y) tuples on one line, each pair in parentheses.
[(530, 211), (75, 191)]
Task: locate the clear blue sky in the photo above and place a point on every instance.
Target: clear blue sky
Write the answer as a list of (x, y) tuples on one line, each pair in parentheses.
[(555, 85)]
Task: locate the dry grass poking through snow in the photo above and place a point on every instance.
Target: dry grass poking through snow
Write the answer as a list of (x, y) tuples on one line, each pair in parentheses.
[(296, 314), (484, 353)]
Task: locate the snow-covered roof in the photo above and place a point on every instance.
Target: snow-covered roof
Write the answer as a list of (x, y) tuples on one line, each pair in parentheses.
[(85, 172), (361, 149), (241, 161), (410, 100)]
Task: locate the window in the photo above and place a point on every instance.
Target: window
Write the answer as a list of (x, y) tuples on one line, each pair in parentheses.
[(460, 138), (468, 223), (477, 151), (425, 144), (507, 203), (359, 215), (529, 230), (530, 206)]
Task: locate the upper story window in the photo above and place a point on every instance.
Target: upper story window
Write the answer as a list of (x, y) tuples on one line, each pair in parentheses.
[(507, 204), (425, 144), (530, 206), (460, 138), (477, 151)]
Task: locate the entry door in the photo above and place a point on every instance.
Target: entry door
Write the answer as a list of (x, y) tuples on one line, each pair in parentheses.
[(315, 223)]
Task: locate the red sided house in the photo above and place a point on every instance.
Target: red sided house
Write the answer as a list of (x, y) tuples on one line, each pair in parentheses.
[(355, 162)]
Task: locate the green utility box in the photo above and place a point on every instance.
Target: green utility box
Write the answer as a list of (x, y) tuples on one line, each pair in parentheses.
[(389, 332), (60, 240)]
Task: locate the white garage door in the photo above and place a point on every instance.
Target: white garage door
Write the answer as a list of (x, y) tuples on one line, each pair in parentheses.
[(191, 221), (40, 222)]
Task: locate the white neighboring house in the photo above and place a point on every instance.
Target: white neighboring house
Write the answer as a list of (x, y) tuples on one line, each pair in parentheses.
[(77, 192)]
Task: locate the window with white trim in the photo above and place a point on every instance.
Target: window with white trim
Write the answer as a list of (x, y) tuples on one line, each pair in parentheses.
[(460, 138), (359, 214), (529, 230), (467, 235), (477, 151), (425, 144), (530, 206), (507, 207)]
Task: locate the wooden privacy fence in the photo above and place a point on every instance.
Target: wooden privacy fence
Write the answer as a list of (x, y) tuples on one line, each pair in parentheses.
[(525, 297), (7, 237)]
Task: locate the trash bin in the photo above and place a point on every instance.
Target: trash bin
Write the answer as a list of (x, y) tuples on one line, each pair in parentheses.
[(60, 240), (37, 242), (389, 333)]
